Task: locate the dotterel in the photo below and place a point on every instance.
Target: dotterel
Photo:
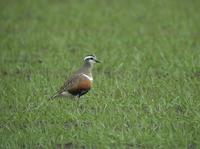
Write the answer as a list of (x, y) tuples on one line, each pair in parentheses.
[(81, 82)]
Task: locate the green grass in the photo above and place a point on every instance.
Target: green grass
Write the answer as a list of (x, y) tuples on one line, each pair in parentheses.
[(146, 92)]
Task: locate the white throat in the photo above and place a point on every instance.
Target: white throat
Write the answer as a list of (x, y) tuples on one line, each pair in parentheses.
[(88, 77)]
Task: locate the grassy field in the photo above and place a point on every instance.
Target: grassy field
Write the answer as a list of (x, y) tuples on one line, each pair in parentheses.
[(146, 91)]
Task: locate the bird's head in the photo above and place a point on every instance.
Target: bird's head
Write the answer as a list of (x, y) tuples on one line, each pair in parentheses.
[(91, 59)]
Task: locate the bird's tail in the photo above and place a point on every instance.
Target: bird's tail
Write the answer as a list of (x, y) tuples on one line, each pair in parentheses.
[(54, 96)]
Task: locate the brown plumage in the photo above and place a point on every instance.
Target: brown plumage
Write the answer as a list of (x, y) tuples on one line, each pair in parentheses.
[(77, 85), (81, 82)]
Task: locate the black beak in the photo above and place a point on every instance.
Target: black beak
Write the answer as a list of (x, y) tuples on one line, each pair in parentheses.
[(97, 61)]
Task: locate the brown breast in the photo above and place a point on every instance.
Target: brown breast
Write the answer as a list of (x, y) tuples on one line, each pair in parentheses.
[(82, 85), (85, 84)]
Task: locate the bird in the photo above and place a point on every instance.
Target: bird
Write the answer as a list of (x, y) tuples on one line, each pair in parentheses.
[(80, 82)]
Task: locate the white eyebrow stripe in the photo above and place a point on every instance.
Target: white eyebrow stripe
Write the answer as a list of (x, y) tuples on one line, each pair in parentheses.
[(88, 77), (87, 57)]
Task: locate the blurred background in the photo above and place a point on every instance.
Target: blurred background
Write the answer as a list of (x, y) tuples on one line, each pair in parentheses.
[(146, 90)]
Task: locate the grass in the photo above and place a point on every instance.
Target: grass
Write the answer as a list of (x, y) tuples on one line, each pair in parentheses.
[(146, 91)]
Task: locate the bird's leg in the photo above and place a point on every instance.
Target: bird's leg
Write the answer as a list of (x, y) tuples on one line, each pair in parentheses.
[(78, 100)]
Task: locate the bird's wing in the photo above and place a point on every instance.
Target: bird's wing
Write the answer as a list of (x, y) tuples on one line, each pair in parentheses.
[(71, 84)]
